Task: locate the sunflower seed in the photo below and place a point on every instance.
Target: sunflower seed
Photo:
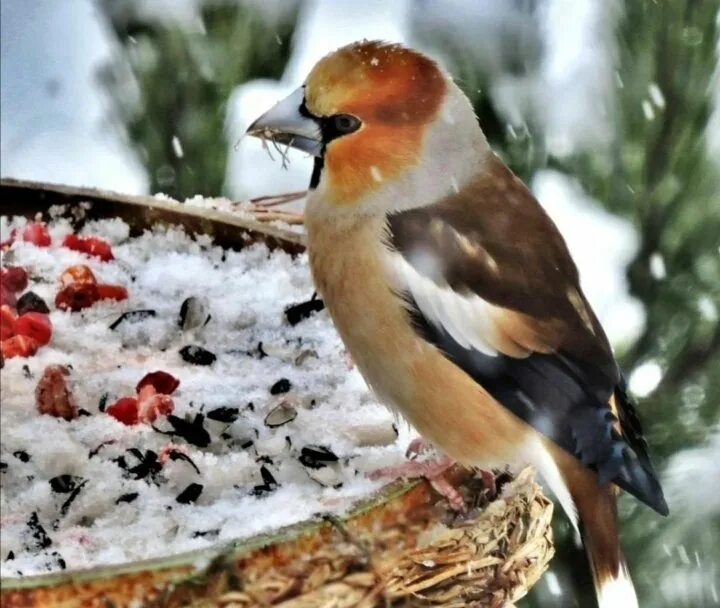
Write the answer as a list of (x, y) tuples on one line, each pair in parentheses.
[(193, 313), (280, 414)]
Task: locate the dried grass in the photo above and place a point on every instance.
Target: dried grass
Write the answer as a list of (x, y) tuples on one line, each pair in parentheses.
[(490, 560)]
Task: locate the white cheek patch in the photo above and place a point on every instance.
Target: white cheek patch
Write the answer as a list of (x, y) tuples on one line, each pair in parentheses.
[(467, 318)]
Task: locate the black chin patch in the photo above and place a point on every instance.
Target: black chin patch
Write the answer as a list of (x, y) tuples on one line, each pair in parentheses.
[(318, 165)]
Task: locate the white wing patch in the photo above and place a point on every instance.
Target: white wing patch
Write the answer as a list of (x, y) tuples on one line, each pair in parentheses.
[(467, 318)]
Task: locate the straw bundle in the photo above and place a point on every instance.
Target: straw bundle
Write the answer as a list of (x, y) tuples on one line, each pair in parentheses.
[(490, 559)]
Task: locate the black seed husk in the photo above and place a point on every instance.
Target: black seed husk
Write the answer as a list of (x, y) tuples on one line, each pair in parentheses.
[(281, 387), (297, 312), (177, 455), (206, 533), (269, 483), (103, 401), (193, 432), (83, 412), (60, 561), (31, 302), (95, 450), (40, 537), (224, 414), (74, 494), (3, 466), (22, 455), (267, 476), (261, 352), (148, 464), (10, 556), (197, 355), (64, 484), (190, 494), (316, 456), (132, 316), (26, 371), (129, 497)]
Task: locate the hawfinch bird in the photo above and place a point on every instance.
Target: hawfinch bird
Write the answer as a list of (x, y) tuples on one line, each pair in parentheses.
[(455, 293)]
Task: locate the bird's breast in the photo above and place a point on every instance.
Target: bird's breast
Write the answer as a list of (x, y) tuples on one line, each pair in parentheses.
[(348, 270)]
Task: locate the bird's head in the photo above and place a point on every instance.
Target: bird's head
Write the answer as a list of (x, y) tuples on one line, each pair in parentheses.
[(387, 126)]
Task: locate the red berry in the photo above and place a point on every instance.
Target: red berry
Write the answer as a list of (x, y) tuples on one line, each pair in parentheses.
[(77, 274), (125, 410), (74, 242), (112, 292), (14, 278), (91, 245), (162, 382), (34, 325), (10, 240), (18, 346), (76, 296), (7, 322), (7, 296), (53, 395), (99, 248), (37, 234), (152, 404)]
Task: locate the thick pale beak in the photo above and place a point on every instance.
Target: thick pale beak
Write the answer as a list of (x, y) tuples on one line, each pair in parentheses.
[(285, 124)]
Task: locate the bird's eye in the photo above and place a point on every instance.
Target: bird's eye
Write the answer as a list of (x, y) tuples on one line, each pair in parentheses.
[(345, 123)]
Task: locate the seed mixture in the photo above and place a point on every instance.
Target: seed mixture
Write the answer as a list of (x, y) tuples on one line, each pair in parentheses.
[(205, 397)]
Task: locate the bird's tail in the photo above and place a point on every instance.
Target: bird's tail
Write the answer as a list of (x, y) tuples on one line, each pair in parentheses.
[(597, 513)]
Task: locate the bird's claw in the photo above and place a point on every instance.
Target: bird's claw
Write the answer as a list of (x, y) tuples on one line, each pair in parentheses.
[(433, 470)]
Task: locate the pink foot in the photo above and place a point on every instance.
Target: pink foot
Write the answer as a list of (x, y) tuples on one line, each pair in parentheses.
[(433, 470), (418, 447)]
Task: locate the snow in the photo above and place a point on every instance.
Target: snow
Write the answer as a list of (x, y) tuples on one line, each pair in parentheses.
[(645, 378), (648, 110), (549, 62), (656, 95), (177, 147), (56, 122), (576, 77), (161, 268), (657, 266)]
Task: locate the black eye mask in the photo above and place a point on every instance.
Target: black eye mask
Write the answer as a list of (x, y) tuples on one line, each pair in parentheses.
[(331, 128), (334, 126)]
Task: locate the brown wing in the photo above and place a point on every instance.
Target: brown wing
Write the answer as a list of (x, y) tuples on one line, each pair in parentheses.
[(491, 251)]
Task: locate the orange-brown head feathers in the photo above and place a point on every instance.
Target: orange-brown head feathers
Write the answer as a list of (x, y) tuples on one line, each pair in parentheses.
[(381, 83), (394, 92), (389, 128)]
